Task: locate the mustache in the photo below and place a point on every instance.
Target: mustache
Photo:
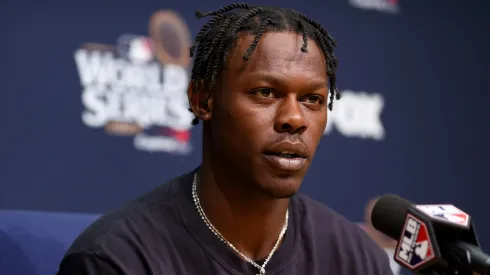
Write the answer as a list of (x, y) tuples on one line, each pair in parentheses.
[(292, 138)]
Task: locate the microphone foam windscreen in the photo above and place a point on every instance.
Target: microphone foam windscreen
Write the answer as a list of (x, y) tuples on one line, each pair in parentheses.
[(388, 215)]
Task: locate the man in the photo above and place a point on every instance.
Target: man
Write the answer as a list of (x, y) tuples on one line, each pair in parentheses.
[(260, 84)]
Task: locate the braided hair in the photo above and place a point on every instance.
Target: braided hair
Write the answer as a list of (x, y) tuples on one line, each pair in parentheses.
[(218, 35)]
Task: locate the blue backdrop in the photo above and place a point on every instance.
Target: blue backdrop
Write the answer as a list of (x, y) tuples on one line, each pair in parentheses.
[(91, 119)]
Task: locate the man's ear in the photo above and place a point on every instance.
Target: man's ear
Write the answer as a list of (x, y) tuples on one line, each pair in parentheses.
[(200, 100)]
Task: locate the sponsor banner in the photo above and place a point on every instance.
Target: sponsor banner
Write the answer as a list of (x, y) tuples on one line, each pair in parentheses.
[(137, 87), (357, 115)]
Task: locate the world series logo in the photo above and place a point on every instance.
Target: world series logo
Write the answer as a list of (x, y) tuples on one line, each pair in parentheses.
[(137, 87)]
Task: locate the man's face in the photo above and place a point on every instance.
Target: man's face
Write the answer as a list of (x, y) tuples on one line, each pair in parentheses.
[(268, 114)]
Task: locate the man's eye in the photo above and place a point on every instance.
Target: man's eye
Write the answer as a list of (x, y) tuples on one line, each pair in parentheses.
[(314, 99), (265, 92)]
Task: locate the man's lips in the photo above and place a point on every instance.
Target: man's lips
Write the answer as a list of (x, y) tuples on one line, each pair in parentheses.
[(288, 149), (287, 155), (286, 163)]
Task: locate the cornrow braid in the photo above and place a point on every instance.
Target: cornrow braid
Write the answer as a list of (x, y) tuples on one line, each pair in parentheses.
[(317, 26), (203, 31), (223, 9), (212, 66), (305, 36), (323, 46), (246, 57), (219, 34)]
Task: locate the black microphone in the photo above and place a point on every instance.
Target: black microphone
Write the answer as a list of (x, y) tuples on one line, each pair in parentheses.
[(433, 239)]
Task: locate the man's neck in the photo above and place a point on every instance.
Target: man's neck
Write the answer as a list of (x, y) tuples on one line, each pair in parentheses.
[(252, 223)]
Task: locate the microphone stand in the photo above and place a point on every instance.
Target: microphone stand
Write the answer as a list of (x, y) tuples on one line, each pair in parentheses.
[(458, 263), (442, 271), (447, 271)]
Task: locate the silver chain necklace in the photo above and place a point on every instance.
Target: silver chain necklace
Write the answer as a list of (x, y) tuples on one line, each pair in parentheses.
[(215, 231)]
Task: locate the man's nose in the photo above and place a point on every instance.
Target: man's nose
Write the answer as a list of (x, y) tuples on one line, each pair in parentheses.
[(290, 117)]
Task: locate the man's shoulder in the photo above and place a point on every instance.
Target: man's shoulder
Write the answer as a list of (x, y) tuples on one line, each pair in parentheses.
[(343, 238), (153, 209)]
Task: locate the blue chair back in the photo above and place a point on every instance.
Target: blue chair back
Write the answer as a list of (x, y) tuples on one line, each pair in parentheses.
[(33, 243)]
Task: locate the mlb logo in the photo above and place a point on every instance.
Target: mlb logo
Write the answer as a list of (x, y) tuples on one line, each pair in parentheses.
[(446, 213), (389, 6), (137, 49), (415, 246)]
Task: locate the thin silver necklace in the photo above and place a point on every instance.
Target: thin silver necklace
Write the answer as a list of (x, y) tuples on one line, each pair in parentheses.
[(215, 231)]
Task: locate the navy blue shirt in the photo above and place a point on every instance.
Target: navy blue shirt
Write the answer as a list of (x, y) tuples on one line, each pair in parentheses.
[(162, 233)]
